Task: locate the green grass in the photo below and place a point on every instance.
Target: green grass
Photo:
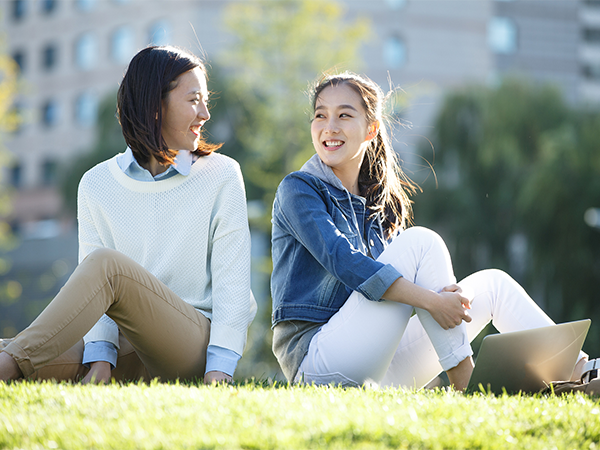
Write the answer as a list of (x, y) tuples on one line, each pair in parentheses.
[(253, 416)]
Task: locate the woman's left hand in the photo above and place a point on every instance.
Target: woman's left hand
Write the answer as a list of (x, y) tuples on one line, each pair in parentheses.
[(215, 377)]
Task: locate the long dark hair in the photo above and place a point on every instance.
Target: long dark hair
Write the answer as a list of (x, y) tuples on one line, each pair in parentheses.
[(151, 75), (381, 179)]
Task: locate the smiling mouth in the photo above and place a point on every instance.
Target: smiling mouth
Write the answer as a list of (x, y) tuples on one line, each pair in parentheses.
[(196, 130), (330, 144)]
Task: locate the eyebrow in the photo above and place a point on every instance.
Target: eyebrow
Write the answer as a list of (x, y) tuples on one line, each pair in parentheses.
[(339, 107)]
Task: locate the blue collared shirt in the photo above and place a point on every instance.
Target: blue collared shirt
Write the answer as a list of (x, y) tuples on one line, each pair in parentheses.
[(217, 358)]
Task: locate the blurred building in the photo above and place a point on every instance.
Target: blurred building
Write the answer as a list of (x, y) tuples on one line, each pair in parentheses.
[(72, 53)]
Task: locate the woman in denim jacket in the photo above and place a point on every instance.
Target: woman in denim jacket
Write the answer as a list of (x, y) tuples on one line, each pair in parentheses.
[(347, 275)]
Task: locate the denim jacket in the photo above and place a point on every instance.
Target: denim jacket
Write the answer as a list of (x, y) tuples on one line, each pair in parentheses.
[(319, 254)]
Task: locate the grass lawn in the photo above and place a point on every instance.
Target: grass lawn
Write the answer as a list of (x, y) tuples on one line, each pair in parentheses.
[(252, 416)]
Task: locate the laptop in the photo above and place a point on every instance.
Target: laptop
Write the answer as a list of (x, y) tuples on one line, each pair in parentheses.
[(528, 360)]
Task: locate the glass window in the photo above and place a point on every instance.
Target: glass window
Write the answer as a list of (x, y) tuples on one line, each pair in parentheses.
[(396, 4), (591, 71), (50, 113), (591, 35), (49, 172), (48, 6), (85, 5), (394, 52), (86, 109), (49, 56), (502, 35), (122, 45), (86, 49), (16, 112), (19, 58), (159, 33), (19, 9), (16, 175)]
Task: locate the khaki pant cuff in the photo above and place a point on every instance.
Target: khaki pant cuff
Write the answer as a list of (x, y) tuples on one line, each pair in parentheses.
[(21, 358)]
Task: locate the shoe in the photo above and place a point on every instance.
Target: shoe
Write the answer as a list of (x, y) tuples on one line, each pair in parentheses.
[(590, 370), (565, 387)]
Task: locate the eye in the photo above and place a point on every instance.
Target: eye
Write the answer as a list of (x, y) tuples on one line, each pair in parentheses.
[(319, 116), (345, 115)]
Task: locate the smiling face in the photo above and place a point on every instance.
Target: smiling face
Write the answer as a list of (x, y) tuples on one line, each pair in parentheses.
[(340, 132), (185, 110)]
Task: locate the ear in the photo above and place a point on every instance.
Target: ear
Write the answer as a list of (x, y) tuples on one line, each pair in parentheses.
[(373, 130)]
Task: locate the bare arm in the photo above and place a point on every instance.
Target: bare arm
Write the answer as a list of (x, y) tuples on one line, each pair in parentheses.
[(448, 308)]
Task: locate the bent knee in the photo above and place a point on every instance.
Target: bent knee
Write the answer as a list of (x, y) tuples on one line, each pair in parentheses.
[(103, 257), (496, 275), (103, 253), (422, 234)]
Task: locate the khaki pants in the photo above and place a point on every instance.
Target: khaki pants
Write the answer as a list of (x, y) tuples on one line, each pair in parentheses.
[(160, 334)]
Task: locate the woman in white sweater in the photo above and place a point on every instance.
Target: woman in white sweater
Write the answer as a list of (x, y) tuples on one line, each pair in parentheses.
[(163, 285)]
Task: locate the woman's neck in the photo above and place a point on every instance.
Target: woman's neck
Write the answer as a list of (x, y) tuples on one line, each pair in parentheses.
[(154, 167), (349, 180)]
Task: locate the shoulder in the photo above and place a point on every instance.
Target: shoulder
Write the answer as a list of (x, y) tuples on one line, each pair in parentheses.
[(300, 178), (221, 161), (298, 182), (218, 165), (97, 174)]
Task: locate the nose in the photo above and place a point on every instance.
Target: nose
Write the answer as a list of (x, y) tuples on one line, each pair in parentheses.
[(331, 126), (203, 113)]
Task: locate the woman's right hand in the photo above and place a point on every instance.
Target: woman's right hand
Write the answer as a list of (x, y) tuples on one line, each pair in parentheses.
[(99, 373), (450, 308)]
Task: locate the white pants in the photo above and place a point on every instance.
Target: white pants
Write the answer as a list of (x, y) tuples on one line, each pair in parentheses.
[(368, 342)]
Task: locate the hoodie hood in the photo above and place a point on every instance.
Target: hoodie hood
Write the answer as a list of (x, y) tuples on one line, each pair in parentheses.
[(315, 167), (322, 171)]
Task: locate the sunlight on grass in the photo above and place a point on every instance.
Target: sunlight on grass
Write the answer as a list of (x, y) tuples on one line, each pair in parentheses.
[(158, 416)]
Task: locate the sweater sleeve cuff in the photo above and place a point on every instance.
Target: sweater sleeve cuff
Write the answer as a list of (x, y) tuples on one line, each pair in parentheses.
[(221, 359), (376, 285), (100, 351)]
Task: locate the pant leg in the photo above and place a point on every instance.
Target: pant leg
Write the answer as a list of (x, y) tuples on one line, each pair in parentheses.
[(495, 297), (169, 336), (358, 343), (68, 366)]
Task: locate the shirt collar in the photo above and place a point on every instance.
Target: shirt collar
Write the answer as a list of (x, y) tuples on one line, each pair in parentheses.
[(183, 161)]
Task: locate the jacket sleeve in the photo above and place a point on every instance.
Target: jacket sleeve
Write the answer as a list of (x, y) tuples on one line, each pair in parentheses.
[(300, 210), (233, 305), (89, 240)]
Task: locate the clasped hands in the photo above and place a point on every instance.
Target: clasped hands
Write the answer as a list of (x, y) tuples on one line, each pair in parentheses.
[(452, 307)]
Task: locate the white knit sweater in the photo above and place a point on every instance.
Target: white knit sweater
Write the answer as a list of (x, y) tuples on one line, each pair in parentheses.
[(191, 232)]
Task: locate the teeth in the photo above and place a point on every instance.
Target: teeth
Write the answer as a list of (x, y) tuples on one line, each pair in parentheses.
[(333, 143)]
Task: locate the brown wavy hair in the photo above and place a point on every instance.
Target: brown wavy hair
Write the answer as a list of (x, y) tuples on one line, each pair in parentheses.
[(381, 179), (151, 75)]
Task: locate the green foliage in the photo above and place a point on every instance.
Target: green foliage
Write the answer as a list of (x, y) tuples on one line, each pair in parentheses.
[(158, 416), (515, 161), (109, 142), (278, 48)]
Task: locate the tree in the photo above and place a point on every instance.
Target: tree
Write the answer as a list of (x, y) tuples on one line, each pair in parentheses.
[(517, 169), (261, 109), (278, 48)]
